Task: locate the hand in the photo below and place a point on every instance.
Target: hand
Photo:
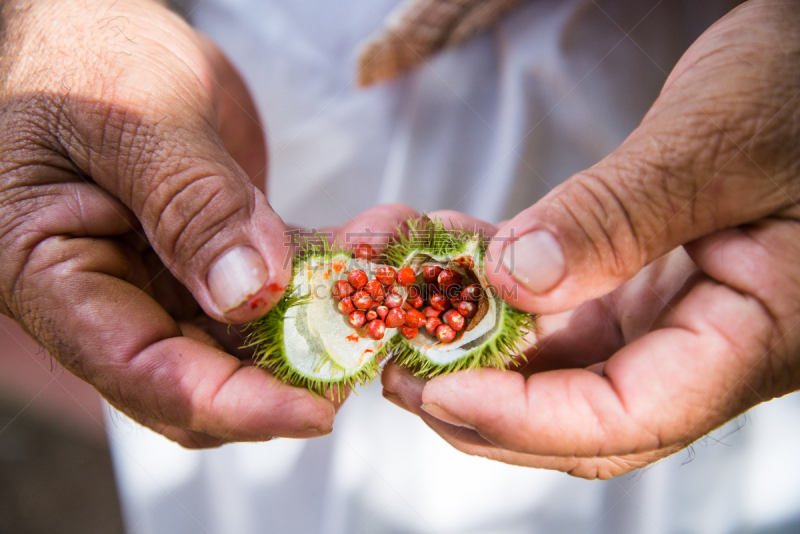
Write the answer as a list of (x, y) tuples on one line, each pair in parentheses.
[(715, 168), (121, 129)]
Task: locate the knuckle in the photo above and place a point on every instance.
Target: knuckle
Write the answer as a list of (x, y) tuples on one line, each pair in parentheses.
[(187, 210), (163, 400), (587, 470), (35, 311), (18, 238), (614, 237)]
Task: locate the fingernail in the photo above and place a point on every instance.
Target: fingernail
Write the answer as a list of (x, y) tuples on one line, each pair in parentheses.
[(439, 413), (536, 261), (236, 277)]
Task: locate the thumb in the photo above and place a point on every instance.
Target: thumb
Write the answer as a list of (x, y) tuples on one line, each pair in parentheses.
[(713, 152), (164, 153)]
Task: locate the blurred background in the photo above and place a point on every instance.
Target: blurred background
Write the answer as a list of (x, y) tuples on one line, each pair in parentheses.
[(55, 468)]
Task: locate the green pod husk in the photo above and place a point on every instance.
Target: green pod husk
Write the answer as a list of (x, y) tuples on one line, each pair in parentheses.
[(496, 333), (304, 341)]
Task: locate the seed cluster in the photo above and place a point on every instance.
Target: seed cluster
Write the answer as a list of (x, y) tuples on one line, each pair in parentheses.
[(443, 303)]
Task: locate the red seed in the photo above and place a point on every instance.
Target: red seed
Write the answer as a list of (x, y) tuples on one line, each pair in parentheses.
[(452, 292), (430, 311), (393, 289), (406, 276), (416, 302), (467, 309), (430, 273), (386, 275), (445, 334), (408, 332), (447, 278), (393, 301), (376, 329), (454, 302), (472, 293), (396, 317), (362, 300), (364, 251), (432, 324), (345, 306), (357, 319), (375, 290), (454, 320), (342, 289), (382, 311), (372, 315), (415, 319), (414, 298), (439, 302), (357, 278)]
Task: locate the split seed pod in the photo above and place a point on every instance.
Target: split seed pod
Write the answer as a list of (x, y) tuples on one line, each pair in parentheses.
[(495, 332), (305, 340)]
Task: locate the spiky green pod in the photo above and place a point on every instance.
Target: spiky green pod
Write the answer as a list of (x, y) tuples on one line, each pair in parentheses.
[(493, 336), (304, 341)]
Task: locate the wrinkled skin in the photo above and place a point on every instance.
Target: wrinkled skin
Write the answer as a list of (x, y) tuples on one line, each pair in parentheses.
[(131, 159), (678, 304)]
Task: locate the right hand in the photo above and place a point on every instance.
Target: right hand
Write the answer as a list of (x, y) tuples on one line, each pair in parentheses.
[(129, 143), (677, 257)]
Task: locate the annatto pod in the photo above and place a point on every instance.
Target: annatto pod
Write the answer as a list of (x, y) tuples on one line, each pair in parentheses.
[(430, 306), (305, 340), (492, 334)]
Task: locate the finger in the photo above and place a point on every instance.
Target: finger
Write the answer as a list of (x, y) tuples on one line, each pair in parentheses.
[(405, 390), (162, 152), (143, 363), (376, 226), (707, 156), (337, 397), (758, 262), (185, 438)]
